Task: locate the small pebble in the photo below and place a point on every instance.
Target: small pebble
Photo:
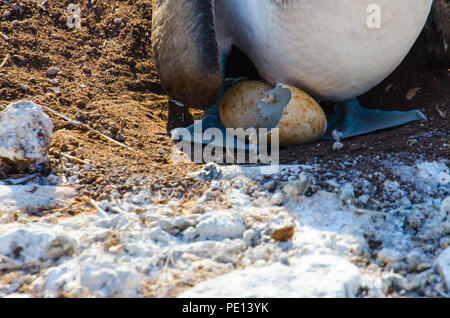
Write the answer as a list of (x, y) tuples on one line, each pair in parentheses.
[(443, 179), (86, 70), (277, 199), (347, 194), (120, 136), (338, 146), (53, 71), (190, 234)]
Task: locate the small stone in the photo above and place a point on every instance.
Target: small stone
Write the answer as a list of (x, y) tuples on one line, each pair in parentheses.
[(182, 223), (277, 199), (56, 90), (53, 71), (299, 187), (55, 82), (284, 234), (443, 266), (414, 259), (225, 259), (220, 225), (53, 179), (445, 242), (190, 234), (283, 227), (86, 70), (364, 199), (443, 179), (445, 207), (251, 237), (62, 19), (347, 194), (120, 136), (392, 281), (391, 257), (23, 87), (166, 224), (337, 146), (62, 246), (157, 234)]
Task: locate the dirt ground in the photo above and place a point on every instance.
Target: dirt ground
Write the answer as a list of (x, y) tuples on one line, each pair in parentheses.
[(107, 81)]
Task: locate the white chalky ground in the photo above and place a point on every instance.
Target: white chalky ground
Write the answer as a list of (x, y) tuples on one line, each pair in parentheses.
[(397, 246)]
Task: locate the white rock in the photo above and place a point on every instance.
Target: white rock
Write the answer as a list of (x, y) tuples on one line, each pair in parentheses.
[(190, 234), (347, 194), (251, 237), (391, 257), (338, 146), (34, 242), (309, 276), (13, 198), (391, 186), (94, 272), (445, 207), (157, 234), (25, 135), (443, 178), (53, 71), (277, 198), (298, 187), (220, 225), (443, 266)]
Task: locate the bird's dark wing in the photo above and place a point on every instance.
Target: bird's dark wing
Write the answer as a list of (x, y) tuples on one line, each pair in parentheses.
[(186, 51)]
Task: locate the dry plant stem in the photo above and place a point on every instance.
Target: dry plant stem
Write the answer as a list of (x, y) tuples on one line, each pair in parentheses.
[(369, 212), (80, 124), (5, 60), (74, 158), (99, 209), (4, 36)]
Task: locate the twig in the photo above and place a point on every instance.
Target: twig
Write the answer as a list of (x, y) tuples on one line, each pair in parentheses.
[(77, 123), (22, 180), (4, 36), (74, 158), (369, 212), (99, 209), (5, 60)]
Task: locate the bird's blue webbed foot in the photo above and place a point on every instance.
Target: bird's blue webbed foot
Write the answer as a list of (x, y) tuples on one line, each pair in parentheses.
[(351, 119)]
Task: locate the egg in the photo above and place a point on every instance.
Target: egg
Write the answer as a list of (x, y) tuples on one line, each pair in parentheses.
[(253, 104)]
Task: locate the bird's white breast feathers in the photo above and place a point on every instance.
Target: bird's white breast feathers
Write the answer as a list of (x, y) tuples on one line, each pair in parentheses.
[(324, 46)]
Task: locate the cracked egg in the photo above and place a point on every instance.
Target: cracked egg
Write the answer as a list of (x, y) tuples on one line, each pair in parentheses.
[(252, 104)]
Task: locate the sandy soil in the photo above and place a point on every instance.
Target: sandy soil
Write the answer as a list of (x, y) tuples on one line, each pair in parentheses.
[(107, 81)]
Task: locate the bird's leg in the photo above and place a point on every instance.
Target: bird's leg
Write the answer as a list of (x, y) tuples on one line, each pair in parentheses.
[(211, 117), (351, 119)]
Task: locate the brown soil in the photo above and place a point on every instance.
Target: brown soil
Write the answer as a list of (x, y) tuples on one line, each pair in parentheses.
[(108, 82)]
